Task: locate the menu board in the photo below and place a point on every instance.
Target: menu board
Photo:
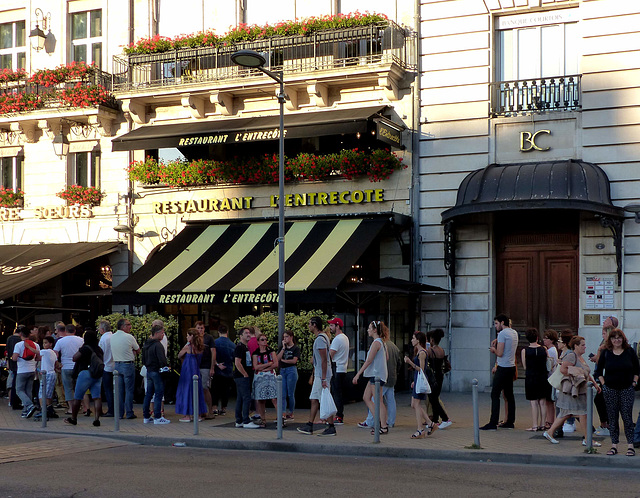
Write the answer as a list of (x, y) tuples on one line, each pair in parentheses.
[(599, 293)]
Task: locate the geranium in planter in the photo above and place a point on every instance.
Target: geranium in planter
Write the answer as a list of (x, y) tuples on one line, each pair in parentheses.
[(77, 194), (10, 198)]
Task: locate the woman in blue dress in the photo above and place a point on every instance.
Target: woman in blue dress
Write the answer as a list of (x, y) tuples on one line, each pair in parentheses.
[(191, 356)]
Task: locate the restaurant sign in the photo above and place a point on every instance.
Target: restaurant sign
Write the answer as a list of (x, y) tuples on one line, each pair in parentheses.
[(219, 298)]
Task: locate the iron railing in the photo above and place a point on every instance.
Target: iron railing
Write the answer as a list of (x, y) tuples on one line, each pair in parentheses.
[(558, 93), (380, 44)]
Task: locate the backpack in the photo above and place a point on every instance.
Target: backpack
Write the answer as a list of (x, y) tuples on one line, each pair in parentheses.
[(29, 350), (96, 366)]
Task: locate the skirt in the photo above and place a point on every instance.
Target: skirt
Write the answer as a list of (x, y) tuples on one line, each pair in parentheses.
[(568, 405), (264, 386)]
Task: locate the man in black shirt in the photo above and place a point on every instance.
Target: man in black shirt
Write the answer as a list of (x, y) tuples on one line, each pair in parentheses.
[(243, 376), (154, 358)]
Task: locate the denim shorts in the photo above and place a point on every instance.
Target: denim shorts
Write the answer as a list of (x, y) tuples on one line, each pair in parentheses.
[(51, 384), (84, 382)]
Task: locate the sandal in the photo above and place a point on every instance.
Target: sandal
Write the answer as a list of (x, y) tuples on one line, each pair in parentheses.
[(631, 452), (263, 425), (430, 428), (612, 451), (547, 426), (419, 434), (383, 430)]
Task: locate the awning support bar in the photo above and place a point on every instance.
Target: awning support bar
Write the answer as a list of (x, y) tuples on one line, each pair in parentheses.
[(615, 225)]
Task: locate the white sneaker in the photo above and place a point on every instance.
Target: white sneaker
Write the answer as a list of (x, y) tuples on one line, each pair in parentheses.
[(148, 420), (568, 428), (602, 431), (251, 425), (594, 444), (239, 425), (161, 421), (444, 425)]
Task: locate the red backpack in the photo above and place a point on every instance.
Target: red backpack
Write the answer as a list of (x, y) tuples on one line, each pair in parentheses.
[(29, 350)]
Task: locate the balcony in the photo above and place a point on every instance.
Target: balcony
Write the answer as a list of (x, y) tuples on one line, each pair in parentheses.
[(558, 93), (375, 46)]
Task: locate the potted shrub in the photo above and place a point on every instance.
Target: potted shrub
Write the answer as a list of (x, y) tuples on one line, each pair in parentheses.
[(77, 194)]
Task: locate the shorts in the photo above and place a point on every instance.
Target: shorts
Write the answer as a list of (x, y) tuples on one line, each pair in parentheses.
[(86, 382), (205, 373), (316, 388), (51, 384), (372, 380)]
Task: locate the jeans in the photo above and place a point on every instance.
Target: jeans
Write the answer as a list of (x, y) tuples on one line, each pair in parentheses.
[(289, 381), (24, 386), (337, 388), (389, 399), (107, 383), (126, 383), (155, 388), (68, 383), (243, 400), (86, 383), (503, 381)]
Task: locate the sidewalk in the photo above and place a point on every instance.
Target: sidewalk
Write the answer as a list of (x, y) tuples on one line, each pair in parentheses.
[(504, 446)]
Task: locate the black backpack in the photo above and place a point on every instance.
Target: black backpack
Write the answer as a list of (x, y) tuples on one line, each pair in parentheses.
[(96, 366)]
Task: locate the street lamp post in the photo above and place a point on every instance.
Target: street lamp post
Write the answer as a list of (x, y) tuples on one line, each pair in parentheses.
[(251, 59)]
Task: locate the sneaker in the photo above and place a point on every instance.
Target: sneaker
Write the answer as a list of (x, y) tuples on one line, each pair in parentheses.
[(161, 421), (444, 425), (31, 411), (559, 433), (602, 431), (131, 417), (329, 431), (338, 421), (489, 427), (255, 416), (594, 444), (568, 428), (363, 425), (306, 428), (71, 421), (507, 426), (239, 425), (222, 412), (251, 425), (148, 420), (96, 423), (550, 438)]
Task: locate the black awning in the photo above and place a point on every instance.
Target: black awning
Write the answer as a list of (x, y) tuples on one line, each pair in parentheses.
[(240, 130), (569, 184), (23, 266), (238, 263), (391, 285)]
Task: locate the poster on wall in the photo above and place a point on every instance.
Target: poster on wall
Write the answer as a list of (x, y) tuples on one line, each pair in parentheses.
[(599, 293)]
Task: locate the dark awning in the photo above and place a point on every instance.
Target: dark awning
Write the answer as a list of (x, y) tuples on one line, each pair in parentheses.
[(569, 184), (240, 130), (391, 285), (23, 266), (238, 263)]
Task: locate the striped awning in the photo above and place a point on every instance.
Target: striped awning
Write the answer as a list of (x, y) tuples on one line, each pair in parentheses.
[(238, 262)]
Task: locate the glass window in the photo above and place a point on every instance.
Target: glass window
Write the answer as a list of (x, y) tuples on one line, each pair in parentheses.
[(11, 172), (86, 37), (85, 170), (79, 25), (12, 45)]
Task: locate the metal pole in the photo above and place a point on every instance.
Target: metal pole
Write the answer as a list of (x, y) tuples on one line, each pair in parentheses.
[(476, 413), (281, 258), (589, 428), (43, 401), (116, 401), (376, 411), (279, 410), (196, 405)]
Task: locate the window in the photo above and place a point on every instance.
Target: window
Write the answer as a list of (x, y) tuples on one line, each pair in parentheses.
[(13, 53), (86, 37), (12, 172), (84, 169)]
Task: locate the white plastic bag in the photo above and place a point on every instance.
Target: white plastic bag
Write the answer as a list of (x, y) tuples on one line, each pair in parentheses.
[(422, 384), (327, 406)]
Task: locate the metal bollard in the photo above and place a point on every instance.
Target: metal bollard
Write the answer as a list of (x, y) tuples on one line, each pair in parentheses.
[(279, 407), (476, 413), (43, 401), (376, 411), (196, 405), (589, 428), (116, 401)]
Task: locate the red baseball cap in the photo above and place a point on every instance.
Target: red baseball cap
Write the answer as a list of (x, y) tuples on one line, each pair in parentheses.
[(337, 321)]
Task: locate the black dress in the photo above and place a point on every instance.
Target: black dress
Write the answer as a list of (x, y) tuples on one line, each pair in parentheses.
[(536, 385)]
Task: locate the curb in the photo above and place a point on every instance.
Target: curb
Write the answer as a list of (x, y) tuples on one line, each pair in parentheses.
[(366, 450)]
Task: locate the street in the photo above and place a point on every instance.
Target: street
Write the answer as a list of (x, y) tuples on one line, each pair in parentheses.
[(134, 470)]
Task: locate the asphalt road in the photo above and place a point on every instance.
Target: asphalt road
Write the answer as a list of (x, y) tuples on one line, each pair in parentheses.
[(134, 470)]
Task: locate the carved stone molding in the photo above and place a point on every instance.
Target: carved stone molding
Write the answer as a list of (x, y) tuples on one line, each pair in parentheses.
[(194, 104), (223, 102), (134, 111), (319, 92)]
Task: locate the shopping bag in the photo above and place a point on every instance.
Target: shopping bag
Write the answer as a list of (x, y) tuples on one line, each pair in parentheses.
[(327, 406), (422, 384)]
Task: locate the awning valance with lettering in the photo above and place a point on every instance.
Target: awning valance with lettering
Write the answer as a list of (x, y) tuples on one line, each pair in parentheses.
[(24, 266), (238, 262), (253, 129)]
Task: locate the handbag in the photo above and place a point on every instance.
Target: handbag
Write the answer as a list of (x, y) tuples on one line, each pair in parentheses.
[(422, 384), (555, 379), (327, 405), (446, 367), (431, 379)]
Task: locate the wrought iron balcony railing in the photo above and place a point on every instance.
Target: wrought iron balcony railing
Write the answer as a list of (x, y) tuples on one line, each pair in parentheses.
[(378, 44), (558, 93)]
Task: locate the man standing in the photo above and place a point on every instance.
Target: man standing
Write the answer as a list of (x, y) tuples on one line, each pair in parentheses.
[(339, 353), (26, 353), (243, 375), (207, 366), (67, 346), (321, 377), (124, 349), (154, 358), (504, 347), (12, 341), (58, 332), (223, 378), (104, 329)]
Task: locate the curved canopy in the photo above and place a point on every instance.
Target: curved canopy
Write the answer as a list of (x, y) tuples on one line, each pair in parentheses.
[(568, 184)]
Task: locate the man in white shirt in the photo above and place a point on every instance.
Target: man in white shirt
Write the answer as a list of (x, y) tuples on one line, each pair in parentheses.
[(339, 352), (504, 347), (124, 349), (26, 354), (104, 329), (66, 346)]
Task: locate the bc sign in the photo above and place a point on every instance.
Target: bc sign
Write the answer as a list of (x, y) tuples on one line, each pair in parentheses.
[(528, 140)]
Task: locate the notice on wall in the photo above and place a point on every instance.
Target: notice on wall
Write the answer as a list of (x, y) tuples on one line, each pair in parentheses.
[(599, 292)]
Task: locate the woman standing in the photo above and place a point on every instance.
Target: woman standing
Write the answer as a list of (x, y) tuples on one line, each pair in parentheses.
[(375, 367), (264, 379), (191, 356), (551, 343), (288, 358), (436, 362), (534, 360), (618, 370), (572, 398), (419, 343)]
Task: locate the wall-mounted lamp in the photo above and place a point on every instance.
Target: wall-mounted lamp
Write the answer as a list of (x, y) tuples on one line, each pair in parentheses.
[(635, 209), (61, 144), (37, 36)]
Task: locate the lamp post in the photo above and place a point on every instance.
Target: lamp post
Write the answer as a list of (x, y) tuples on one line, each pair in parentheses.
[(254, 60)]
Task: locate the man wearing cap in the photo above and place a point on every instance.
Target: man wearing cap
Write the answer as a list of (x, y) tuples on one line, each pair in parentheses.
[(339, 352)]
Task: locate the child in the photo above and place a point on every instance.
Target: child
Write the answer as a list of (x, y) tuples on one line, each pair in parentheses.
[(48, 363)]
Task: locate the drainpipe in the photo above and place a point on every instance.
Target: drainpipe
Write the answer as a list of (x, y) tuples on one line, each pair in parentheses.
[(415, 156), (622, 279)]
